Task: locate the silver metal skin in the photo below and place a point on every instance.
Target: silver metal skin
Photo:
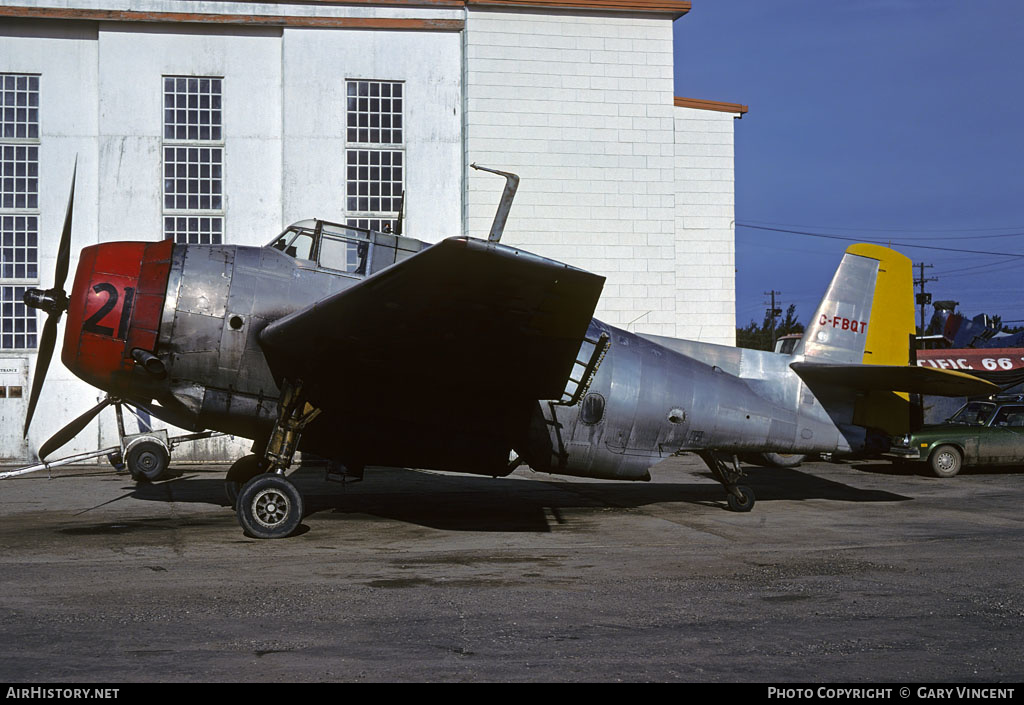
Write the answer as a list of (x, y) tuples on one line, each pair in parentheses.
[(653, 397)]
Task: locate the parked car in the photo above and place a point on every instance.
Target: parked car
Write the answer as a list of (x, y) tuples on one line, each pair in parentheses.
[(981, 433)]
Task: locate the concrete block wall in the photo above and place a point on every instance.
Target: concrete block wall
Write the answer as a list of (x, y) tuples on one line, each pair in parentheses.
[(705, 256), (581, 107)]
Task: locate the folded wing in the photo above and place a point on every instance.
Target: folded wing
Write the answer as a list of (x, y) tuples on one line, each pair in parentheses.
[(463, 329)]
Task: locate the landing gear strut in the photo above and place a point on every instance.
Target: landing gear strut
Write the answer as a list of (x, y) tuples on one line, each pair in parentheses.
[(269, 506), (726, 469)]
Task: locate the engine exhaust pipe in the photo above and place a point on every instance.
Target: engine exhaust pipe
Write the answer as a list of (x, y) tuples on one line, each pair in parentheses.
[(149, 362)]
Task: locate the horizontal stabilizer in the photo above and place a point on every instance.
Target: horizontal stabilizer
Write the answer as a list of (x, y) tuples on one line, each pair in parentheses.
[(894, 378)]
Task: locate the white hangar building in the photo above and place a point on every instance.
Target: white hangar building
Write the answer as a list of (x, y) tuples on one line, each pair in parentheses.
[(225, 121)]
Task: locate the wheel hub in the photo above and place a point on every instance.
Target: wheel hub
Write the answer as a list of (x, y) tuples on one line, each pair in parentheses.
[(270, 507)]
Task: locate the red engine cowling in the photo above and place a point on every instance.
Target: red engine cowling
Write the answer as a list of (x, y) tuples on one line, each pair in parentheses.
[(115, 307)]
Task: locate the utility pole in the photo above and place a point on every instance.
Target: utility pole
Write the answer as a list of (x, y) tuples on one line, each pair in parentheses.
[(922, 297), (773, 313)]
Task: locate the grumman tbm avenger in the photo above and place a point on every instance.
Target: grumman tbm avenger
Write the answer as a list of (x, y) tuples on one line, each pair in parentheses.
[(370, 348)]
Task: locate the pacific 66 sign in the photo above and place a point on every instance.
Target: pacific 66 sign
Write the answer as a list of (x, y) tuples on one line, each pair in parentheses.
[(991, 359)]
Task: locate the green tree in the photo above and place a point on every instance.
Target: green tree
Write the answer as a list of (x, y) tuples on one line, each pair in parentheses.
[(759, 337)]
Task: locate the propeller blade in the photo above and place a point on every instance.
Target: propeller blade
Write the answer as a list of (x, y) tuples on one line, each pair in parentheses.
[(64, 251), (47, 342), (71, 430)]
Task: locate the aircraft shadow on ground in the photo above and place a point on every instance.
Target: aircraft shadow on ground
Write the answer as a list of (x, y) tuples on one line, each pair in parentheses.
[(474, 503), (922, 470)]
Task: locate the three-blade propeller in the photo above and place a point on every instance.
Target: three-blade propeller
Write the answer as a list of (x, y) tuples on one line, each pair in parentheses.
[(54, 302)]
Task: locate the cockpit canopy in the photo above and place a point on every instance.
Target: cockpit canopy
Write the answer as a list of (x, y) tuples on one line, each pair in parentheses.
[(340, 248), (343, 249)]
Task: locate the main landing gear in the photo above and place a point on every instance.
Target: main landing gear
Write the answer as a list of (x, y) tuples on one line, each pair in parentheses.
[(269, 505), (726, 469)]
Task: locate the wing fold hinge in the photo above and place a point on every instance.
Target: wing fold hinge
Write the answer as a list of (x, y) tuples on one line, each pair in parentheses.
[(576, 387)]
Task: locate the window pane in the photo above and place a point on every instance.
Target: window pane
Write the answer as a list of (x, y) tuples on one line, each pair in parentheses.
[(18, 92), (18, 321), (195, 231), (201, 97)]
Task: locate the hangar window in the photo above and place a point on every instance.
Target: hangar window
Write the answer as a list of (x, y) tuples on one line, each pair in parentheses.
[(19, 255), (17, 321), (375, 156), (19, 207), (193, 159)]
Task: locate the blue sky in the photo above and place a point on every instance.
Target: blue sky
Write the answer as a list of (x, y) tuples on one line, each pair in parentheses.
[(890, 120)]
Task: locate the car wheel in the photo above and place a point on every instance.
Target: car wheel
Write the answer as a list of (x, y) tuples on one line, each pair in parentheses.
[(945, 461)]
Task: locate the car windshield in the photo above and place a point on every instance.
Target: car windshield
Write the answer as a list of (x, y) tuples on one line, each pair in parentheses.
[(975, 413)]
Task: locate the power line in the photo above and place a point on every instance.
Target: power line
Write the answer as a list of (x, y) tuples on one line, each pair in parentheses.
[(992, 267), (878, 242), (1019, 228)]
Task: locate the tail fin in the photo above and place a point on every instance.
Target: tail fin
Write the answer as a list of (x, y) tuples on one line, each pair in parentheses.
[(867, 317), (867, 314)]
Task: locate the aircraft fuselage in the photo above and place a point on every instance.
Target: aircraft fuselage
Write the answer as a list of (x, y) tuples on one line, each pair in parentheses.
[(645, 401)]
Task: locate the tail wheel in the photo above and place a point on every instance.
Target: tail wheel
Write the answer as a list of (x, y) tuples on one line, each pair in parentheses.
[(744, 502), (269, 507), (240, 472), (946, 461), (147, 461)]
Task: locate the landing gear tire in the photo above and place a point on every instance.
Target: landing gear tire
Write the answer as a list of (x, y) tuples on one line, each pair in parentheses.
[(946, 461), (743, 503), (269, 507), (240, 472), (147, 461)]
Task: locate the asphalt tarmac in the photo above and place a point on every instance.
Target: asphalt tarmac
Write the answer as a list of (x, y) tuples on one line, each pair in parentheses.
[(854, 572)]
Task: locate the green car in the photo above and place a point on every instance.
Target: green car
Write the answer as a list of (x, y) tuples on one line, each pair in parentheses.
[(980, 433)]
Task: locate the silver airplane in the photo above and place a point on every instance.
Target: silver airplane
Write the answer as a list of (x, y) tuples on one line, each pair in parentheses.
[(374, 349)]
